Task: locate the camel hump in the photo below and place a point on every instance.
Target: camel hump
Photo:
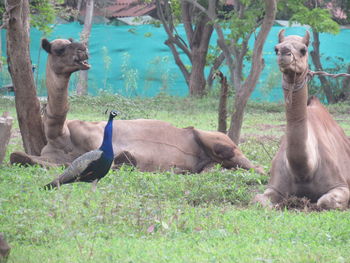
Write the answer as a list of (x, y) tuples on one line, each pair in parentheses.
[(313, 100)]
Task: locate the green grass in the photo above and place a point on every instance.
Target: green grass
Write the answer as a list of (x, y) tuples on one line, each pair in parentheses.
[(166, 217)]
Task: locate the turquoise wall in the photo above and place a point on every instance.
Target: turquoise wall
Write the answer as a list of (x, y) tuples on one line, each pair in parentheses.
[(137, 56)]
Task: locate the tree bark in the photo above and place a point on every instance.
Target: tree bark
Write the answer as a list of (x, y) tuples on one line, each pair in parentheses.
[(316, 60), (83, 74), (0, 51), (222, 116), (20, 68), (199, 38), (197, 80), (78, 9), (346, 87), (198, 34), (243, 94), (217, 63), (5, 134)]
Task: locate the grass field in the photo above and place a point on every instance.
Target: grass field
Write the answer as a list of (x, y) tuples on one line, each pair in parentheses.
[(166, 217)]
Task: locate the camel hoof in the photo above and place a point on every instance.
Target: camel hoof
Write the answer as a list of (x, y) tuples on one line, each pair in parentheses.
[(21, 158), (329, 203), (262, 200), (259, 170)]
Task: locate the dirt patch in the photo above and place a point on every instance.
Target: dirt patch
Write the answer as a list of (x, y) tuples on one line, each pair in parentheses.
[(260, 138), (298, 204), (265, 127)]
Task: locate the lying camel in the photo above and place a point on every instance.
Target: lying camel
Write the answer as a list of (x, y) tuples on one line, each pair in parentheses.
[(150, 145), (313, 160)]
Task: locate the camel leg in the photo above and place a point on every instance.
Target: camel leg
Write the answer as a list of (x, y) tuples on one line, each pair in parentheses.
[(268, 199), (26, 159), (337, 198)]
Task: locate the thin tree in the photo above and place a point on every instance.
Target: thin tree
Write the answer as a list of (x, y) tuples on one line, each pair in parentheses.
[(1, 27), (0, 50), (243, 23), (20, 68), (198, 33), (78, 9), (84, 38)]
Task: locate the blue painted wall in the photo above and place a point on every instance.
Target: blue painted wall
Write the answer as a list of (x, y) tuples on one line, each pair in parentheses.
[(134, 61)]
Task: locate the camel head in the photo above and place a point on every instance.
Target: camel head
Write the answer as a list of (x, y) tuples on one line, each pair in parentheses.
[(66, 56), (292, 53)]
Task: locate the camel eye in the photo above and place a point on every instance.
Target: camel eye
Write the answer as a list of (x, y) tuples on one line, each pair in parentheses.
[(303, 51), (276, 50), (60, 51)]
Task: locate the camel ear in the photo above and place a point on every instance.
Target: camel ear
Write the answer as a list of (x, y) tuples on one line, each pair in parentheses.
[(306, 38), (45, 44), (215, 144), (224, 152), (281, 35)]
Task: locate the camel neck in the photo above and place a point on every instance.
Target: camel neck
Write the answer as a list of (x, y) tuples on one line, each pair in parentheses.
[(57, 104), (296, 130)]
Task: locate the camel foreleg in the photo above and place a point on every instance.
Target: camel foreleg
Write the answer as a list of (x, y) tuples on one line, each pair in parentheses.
[(269, 198), (337, 198)]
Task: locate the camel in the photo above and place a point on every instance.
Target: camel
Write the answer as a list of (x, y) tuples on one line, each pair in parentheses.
[(149, 145), (313, 160)]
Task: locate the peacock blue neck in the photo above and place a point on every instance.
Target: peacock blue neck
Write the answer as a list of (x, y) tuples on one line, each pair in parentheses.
[(107, 146)]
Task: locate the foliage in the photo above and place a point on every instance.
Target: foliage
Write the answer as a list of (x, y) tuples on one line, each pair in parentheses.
[(129, 75), (107, 61), (240, 25), (158, 67), (319, 18), (338, 9), (43, 14), (335, 65), (243, 24), (176, 10)]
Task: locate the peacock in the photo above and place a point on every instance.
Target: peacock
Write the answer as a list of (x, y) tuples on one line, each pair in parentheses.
[(93, 165)]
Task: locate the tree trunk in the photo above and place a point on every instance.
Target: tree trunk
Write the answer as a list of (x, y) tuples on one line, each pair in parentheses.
[(346, 87), (78, 9), (20, 68), (237, 117), (216, 65), (244, 91), (197, 80), (0, 51), (5, 134), (316, 60), (83, 74), (222, 116), (198, 38), (198, 34)]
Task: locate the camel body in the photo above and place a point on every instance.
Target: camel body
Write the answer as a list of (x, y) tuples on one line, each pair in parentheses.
[(313, 160), (150, 145), (329, 151)]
